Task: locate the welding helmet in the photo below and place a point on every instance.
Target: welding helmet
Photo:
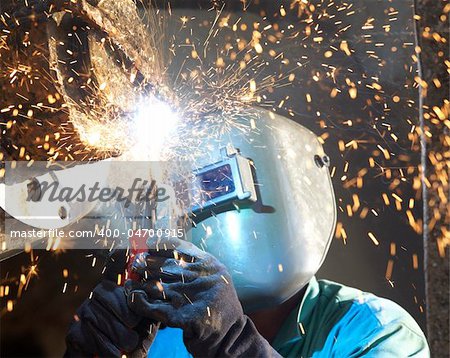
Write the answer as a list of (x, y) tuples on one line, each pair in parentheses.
[(266, 207)]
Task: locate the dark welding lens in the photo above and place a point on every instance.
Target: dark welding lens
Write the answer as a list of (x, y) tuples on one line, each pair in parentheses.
[(215, 183)]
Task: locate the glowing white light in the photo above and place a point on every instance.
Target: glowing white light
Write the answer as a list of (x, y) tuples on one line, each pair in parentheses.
[(93, 137), (155, 123)]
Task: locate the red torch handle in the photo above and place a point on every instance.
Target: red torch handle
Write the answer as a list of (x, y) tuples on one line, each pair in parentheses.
[(138, 245)]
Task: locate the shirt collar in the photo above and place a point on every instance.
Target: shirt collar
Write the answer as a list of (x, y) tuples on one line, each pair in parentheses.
[(296, 325), (304, 310)]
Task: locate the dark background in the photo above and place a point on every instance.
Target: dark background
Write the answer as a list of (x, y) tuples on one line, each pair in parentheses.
[(40, 317)]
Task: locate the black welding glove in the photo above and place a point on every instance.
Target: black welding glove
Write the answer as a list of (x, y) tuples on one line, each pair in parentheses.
[(104, 326), (190, 289)]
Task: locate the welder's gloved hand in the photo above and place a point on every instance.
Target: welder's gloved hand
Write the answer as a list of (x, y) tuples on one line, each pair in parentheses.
[(187, 288), (104, 326)]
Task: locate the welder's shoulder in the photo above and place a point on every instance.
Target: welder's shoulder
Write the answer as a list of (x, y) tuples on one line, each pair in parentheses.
[(371, 325)]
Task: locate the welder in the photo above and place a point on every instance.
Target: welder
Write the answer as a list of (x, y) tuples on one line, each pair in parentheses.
[(243, 284)]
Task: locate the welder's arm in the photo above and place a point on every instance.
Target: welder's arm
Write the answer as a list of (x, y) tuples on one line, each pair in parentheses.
[(189, 289)]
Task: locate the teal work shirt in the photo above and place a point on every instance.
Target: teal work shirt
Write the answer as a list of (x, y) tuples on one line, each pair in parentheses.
[(332, 320)]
